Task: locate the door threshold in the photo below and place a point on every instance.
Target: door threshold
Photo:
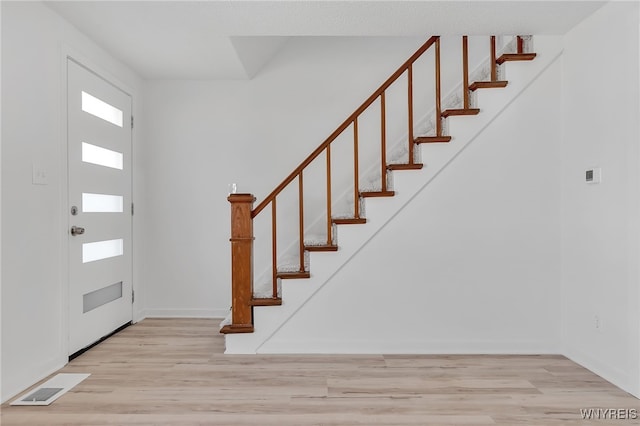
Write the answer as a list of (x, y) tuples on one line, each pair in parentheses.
[(102, 339)]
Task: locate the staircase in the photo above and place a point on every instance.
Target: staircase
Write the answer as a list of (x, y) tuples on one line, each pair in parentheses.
[(257, 313)]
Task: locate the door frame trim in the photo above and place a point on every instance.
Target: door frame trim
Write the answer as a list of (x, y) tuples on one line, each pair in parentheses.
[(70, 54)]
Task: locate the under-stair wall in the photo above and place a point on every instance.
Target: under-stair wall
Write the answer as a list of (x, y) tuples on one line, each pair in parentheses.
[(470, 265), (381, 211)]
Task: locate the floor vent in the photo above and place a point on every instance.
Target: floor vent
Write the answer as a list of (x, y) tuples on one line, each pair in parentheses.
[(51, 390), (42, 395)]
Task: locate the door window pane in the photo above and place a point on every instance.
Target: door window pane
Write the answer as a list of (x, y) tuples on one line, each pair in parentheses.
[(100, 297), (102, 203), (102, 250), (101, 156), (101, 109)]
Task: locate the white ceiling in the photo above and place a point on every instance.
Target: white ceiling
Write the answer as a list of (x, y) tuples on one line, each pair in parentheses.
[(233, 39)]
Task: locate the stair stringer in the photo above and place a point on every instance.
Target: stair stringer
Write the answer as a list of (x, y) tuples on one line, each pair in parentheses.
[(380, 211)]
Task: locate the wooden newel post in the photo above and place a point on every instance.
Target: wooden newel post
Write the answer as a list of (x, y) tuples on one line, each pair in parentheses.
[(241, 264)]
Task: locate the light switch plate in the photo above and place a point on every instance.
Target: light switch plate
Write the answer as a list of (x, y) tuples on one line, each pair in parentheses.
[(39, 175)]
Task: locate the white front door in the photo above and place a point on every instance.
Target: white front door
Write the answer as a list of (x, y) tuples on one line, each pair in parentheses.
[(99, 211)]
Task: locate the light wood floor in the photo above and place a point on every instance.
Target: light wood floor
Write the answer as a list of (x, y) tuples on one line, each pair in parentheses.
[(173, 372)]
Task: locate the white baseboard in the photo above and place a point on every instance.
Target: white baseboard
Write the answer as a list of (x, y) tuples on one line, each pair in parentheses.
[(185, 313), (138, 316), (612, 374), (390, 346)]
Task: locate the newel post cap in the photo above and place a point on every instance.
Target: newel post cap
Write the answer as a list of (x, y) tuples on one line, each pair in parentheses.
[(241, 198)]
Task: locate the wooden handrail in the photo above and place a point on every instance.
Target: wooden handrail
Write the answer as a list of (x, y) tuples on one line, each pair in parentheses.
[(343, 126)]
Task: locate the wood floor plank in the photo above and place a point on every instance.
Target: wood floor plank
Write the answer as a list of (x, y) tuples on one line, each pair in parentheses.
[(174, 372)]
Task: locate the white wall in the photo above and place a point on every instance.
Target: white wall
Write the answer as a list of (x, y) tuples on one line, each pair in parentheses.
[(34, 330), (204, 135), (601, 223), (472, 263)]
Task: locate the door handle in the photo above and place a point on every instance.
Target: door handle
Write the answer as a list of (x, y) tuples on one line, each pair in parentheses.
[(76, 230)]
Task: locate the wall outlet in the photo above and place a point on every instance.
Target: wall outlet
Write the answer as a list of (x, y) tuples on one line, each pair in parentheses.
[(597, 323)]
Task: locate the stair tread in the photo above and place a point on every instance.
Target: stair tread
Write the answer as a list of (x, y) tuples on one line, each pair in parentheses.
[(515, 57), (350, 221), (432, 139), (377, 194), (293, 275), (266, 301), (414, 166), (237, 328), (325, 247), (460, 111), (488, 85)]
